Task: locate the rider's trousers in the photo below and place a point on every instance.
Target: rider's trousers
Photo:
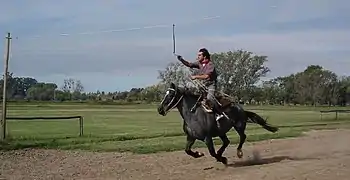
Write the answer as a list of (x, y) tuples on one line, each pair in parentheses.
[(211, 96)]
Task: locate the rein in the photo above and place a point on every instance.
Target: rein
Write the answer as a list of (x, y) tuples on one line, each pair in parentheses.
[(172, 100)]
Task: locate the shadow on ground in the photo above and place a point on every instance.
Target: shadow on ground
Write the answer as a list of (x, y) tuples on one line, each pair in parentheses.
[(270, 160), (257, 160)]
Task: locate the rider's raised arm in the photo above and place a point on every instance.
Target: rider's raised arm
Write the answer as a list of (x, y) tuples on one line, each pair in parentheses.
[(195, 65), (189, 64)]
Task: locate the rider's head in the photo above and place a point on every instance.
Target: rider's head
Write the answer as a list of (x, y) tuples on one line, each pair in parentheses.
[(203, 54)]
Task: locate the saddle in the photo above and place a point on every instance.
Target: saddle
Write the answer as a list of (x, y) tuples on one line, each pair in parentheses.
[(223, 102)]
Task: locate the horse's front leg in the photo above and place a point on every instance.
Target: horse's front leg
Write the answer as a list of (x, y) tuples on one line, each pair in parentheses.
[(210, 144), (188, 150)]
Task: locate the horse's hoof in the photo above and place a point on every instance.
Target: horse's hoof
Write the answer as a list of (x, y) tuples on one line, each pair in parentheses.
[(224, 160), (199, 154), (239, 153)]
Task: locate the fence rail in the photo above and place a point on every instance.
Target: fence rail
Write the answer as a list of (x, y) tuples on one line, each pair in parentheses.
[(80, 118), (336, 112)]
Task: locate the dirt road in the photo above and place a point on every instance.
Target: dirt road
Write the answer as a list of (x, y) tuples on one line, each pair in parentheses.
[(321, 155)]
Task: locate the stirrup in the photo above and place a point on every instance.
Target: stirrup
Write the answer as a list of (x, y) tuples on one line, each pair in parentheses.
[(218, 117), (205, 106)]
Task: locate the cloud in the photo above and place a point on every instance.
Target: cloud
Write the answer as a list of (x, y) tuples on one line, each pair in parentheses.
[(296, 50), (293, 33)]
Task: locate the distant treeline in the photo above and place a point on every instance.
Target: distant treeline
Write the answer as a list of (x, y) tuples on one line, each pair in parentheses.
[(240, 74)]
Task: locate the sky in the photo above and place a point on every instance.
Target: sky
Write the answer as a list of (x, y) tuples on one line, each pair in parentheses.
[(85, 40)]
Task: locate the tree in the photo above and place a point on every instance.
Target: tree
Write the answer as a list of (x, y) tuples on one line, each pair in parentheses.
[(154, 93), (73, 88), (42, 92), (72, 85), (316, 85), (239, 74), (258, 95), (23, 84), (175, 73), (17, 87), (239, 70), (272, 93), (344, 90), (287, 88), (134, 94)]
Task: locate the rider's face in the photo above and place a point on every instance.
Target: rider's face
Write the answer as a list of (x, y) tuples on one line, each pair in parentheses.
[(200, 56)]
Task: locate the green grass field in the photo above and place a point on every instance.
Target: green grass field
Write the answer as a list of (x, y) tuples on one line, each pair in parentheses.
[(139, 128)]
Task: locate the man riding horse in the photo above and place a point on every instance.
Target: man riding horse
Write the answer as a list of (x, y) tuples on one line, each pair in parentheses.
[(208, 74)]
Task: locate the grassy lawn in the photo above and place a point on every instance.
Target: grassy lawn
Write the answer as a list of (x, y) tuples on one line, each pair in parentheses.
[(139, 128)]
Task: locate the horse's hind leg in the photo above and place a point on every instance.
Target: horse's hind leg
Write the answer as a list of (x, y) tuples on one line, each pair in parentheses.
[(225, 143), (189, 144), (210, 144), (240, 128)]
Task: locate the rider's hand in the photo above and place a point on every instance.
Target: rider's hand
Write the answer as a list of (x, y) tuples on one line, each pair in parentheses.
[(193, 77), (179, 57)]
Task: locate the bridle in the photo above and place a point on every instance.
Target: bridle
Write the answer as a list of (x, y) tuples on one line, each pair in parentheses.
[(172, 100)]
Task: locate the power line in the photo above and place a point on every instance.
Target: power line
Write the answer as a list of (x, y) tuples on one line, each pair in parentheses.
[(124, 29), (135, 28), (101, 32), (129, 29)]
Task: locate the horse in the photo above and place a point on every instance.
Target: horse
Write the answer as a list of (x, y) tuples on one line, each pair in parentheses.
[(199, 124)]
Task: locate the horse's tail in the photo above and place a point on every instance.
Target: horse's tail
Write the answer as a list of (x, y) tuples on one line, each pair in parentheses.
[(255, 118)]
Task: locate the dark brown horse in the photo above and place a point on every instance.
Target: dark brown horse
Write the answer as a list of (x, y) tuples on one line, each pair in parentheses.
[(202, 125)]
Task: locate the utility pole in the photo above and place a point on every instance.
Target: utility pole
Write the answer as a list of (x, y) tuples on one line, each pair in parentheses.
[(4, 87)]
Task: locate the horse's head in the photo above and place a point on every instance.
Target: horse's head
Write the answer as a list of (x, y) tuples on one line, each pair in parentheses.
[(171, 99)]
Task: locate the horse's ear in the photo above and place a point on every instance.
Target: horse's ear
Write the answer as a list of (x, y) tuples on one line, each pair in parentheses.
[(172, 85)]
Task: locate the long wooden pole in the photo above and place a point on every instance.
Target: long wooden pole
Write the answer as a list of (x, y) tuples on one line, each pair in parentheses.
[(4, 86), (174, 44)]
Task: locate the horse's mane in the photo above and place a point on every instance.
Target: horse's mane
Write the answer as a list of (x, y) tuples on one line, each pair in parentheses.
[(189, 92)]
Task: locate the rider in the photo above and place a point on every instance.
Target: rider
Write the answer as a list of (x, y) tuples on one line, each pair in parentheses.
[(207, 72)]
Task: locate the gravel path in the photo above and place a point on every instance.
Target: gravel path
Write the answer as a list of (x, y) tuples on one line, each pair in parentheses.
[(320, 155)]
